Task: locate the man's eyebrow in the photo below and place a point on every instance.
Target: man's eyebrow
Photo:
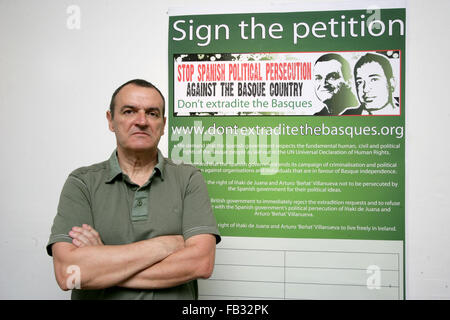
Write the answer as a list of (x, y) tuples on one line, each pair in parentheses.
[(370, 75), (127, 106), (333, 74), (134, 107)]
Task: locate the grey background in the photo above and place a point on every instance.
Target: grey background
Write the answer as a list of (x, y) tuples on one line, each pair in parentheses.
[(55, 86)]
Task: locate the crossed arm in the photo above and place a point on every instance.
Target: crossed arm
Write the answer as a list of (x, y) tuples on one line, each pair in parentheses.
[(160, 262)]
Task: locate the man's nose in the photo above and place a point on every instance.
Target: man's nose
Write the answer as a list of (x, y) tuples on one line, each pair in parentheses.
[(365, 87), (141, 118), (327, 84), (320, 83)]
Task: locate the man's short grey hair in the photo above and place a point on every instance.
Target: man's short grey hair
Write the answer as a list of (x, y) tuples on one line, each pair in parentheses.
[(377, 58), (345, 66), (139, 83)]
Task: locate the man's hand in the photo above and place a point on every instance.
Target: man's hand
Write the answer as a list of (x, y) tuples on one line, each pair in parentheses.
[(85, 236), (195, 261)]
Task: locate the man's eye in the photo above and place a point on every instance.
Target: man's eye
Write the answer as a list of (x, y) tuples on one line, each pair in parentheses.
[(334, 76)]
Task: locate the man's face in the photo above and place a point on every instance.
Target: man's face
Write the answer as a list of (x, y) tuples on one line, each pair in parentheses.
[(328, 79), (372, 85), (138, 120)]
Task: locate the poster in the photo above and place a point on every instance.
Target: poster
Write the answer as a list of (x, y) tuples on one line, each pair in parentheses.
[(296, 120)]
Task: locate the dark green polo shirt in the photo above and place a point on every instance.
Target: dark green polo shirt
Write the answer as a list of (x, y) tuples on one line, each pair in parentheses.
[(173, 201)]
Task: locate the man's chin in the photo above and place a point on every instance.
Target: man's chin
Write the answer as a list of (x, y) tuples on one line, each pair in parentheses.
[(141, 147), (325, 97), (373, 105)]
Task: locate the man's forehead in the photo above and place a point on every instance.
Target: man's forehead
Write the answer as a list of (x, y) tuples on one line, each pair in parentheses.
[(132, 94), (371, 68), (324, 67)]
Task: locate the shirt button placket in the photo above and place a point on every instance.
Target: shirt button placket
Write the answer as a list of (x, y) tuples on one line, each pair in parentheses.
[(139, 208)]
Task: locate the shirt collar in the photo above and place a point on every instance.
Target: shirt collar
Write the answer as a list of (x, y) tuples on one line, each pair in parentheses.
[(160, 165), (115, 170)]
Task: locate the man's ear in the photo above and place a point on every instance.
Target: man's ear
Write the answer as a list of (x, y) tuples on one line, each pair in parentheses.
[(391, 84), (110, 121), (164, 125)]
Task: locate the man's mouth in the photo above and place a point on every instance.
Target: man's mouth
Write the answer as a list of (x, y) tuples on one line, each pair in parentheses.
[(140, 133), (368, 99)]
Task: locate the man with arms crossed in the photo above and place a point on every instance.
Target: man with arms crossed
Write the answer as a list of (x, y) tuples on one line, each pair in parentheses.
[(137, 226)]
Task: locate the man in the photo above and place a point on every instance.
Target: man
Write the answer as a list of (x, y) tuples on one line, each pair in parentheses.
[(332, 77), (137, 226), (375, 85)]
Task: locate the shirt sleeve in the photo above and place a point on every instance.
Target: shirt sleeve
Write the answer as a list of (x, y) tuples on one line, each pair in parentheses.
[(198, 217), (74, 209)]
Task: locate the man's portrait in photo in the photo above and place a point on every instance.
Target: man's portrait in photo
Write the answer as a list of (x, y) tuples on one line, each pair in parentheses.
[(375, 85), (333, 82)]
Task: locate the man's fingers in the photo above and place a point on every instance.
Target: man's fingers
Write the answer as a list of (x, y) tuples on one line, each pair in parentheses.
[(92, 231), (80, 237), (87, 235), (77, 243), (172, 242)]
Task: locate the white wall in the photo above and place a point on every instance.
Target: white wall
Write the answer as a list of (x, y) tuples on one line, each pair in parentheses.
[(55, 86), (427, 169)]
